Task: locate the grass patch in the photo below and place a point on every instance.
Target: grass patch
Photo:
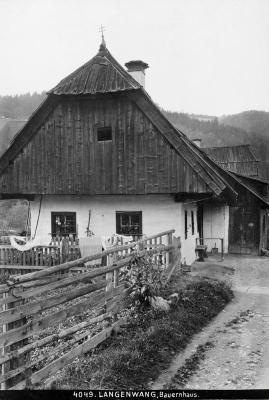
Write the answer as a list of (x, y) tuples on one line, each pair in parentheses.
[(149, 342)]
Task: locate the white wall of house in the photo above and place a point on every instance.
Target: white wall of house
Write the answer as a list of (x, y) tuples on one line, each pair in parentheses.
[(159, 213), (189, 244), (216, 225)]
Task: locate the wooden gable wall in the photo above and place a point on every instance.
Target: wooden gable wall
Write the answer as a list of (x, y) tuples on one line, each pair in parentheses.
[(64, 156)]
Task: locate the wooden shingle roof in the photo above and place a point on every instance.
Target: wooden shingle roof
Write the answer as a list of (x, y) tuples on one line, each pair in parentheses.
[(102, 74), (240, 159), (241, 153)]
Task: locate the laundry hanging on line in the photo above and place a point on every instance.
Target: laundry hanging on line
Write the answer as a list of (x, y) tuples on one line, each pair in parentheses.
[(89, 246), (38, 241)]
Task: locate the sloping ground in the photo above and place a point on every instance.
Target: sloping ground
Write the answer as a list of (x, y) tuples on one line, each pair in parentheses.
[(233, 351)]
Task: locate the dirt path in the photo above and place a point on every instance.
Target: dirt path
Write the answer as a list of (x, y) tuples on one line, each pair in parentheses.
[(233, 351)]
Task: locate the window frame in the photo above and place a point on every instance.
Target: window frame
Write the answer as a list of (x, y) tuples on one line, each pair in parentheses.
[(63, 213), (104, 130), (129, 213)]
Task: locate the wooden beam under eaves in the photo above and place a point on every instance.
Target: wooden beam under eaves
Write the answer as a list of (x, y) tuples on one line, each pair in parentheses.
[(183, 196), (16, 196)]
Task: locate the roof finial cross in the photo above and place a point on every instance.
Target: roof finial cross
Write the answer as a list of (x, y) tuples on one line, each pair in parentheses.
[(102, 29)]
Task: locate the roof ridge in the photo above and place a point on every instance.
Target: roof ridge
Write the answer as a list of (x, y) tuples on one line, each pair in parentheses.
[(78, 81)]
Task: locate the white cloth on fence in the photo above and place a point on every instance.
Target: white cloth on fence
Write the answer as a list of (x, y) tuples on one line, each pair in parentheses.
[(36, 242), (115, 240), (89, 246)]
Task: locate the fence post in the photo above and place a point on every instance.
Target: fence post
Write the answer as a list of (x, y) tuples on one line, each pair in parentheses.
[(110, 275), (19, 361), (5, 366), (116, 278), (170, 252)]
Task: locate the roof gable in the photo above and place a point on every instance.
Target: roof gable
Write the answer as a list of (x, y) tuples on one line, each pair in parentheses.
[(101, 76)]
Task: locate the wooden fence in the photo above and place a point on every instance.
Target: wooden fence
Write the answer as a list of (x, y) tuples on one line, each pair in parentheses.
[(52, 316), (61, 249), (40, 256)]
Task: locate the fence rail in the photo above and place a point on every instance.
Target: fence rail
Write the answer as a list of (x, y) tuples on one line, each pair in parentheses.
[(60, 250), (56, 308)]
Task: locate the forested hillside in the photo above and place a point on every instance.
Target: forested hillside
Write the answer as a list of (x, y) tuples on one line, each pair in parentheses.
[(248, 127), (20, 106), (212, 133), (256, 123)]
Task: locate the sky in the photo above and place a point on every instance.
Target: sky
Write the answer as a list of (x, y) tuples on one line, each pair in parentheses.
[(206, 56)]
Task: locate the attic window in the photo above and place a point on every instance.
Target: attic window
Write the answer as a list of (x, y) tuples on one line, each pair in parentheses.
[(104, 134)]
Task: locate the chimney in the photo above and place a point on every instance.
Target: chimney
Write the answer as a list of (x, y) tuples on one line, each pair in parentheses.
[(137, 68), (197, 142)]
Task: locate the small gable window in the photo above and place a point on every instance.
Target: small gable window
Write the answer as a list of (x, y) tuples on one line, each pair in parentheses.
[(129, 223), (104, 134), (63, 223)]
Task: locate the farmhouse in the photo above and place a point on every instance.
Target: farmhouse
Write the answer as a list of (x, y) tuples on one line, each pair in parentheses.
[(98, 146)]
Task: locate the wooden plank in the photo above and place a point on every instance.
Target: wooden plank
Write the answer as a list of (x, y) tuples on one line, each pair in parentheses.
[(171, 268), (43, 285), (62, 334), (38, 325), (60, 282), (15, 353), (61, 362), (68, 265), (22, 267), (18, 361), (13, 314), (96, 299)]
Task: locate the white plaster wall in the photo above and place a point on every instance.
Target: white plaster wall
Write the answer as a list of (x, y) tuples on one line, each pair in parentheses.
[(216, 224), (159, 213), (188, 245)]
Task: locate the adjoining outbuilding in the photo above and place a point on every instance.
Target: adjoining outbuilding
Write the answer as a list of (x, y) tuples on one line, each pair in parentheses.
[(245, 221)]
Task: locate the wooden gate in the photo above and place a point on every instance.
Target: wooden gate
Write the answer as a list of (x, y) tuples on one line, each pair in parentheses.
[(244, 230)]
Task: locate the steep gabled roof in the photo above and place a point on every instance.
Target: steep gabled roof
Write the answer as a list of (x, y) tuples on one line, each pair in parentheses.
[(199, 161), (102, 74)]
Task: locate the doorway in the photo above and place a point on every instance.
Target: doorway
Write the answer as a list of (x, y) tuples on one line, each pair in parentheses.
[(244, 230)]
